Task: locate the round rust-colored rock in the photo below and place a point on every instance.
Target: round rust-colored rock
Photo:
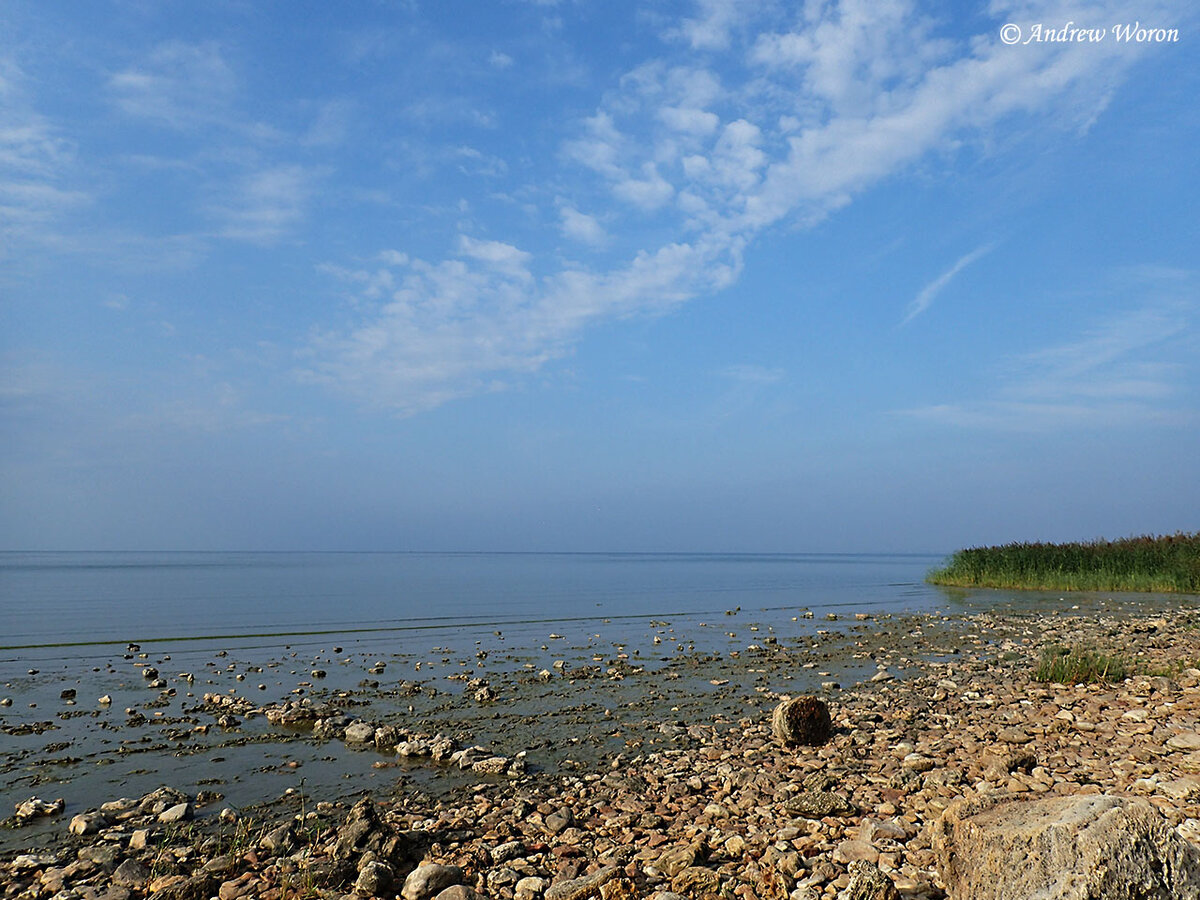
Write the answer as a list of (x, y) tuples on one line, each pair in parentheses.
[(802, 720)]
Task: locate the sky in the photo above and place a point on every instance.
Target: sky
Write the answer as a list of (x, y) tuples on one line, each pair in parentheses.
[(525, 275)]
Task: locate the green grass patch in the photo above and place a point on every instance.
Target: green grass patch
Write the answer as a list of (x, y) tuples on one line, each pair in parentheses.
[(1079, 665), (1168, 563)]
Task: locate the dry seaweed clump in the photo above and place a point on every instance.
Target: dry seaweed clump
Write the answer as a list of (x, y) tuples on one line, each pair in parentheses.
[(802, 720)]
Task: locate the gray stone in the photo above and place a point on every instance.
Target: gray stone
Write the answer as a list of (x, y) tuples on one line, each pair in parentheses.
[(34, 807), (506, 851), (560, 821), (696, 881), (854, 851), (280, 840), (430, 880), (493, 765), (676, 859), (374, 878), (180, 812), (458, 892), (27, 861), (364, 832), (868, 883), (818, 805), (160, 799), (360, 733), (87, 823), (1189, 740), (1087, 847), (576, 888), (125, 808), (132, 873), (103, 855), (198, 887)]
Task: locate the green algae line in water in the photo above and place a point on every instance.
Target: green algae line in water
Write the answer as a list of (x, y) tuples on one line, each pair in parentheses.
[(1168, 563)]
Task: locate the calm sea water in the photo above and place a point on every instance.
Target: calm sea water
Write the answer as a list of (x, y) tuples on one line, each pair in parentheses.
[(56, 598)]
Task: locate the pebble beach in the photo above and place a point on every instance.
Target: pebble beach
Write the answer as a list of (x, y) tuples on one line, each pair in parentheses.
[(602, 767)]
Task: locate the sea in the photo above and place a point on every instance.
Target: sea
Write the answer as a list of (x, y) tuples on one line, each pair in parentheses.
[(51, 599)]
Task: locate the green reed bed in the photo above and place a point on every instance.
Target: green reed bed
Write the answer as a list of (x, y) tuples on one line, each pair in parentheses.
[(1169, 563)]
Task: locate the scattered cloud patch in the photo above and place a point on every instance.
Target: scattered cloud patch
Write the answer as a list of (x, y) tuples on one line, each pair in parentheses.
[(1126, 369), (926, 295), (648, 190), (582, 228), (331, 125), (753, 374), (710, 30), (179, 85), (474, 322), (37, 165), (266, 205), (769, 125), (475, 162)]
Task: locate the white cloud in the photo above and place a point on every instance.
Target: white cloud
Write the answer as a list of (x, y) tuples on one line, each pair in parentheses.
[(371, 284), (1116, 358), (476, 162), (331, 124), (711, 28), (692, 121), (750, 374), (36, 166), (475, 321), (649, 192), (857, 54), (1126, 369), (183, 86), (582, 228), (497, 255), (266, 205), (737, 158), (927, 294), (500, 60), (802, 120), (600, 148)]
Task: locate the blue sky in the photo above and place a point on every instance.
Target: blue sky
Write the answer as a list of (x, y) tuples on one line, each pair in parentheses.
[(583, 275)]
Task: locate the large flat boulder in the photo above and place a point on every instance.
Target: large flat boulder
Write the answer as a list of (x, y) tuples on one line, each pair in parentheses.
[(1087, 847)]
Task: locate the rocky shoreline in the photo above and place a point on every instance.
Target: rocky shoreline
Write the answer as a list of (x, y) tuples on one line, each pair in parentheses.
[(712, 807)]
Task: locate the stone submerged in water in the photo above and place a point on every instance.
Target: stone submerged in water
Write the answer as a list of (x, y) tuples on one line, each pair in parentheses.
[(35, 807), (801, 720), (1086, 847)]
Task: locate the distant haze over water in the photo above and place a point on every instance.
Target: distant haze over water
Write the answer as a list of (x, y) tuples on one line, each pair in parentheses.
[(68, 597)]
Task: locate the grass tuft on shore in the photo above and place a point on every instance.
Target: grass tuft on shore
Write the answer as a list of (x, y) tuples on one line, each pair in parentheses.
[(1079, 665), (1166, 563)]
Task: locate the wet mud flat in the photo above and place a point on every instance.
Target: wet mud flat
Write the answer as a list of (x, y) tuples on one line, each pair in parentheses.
[(594, 747)]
